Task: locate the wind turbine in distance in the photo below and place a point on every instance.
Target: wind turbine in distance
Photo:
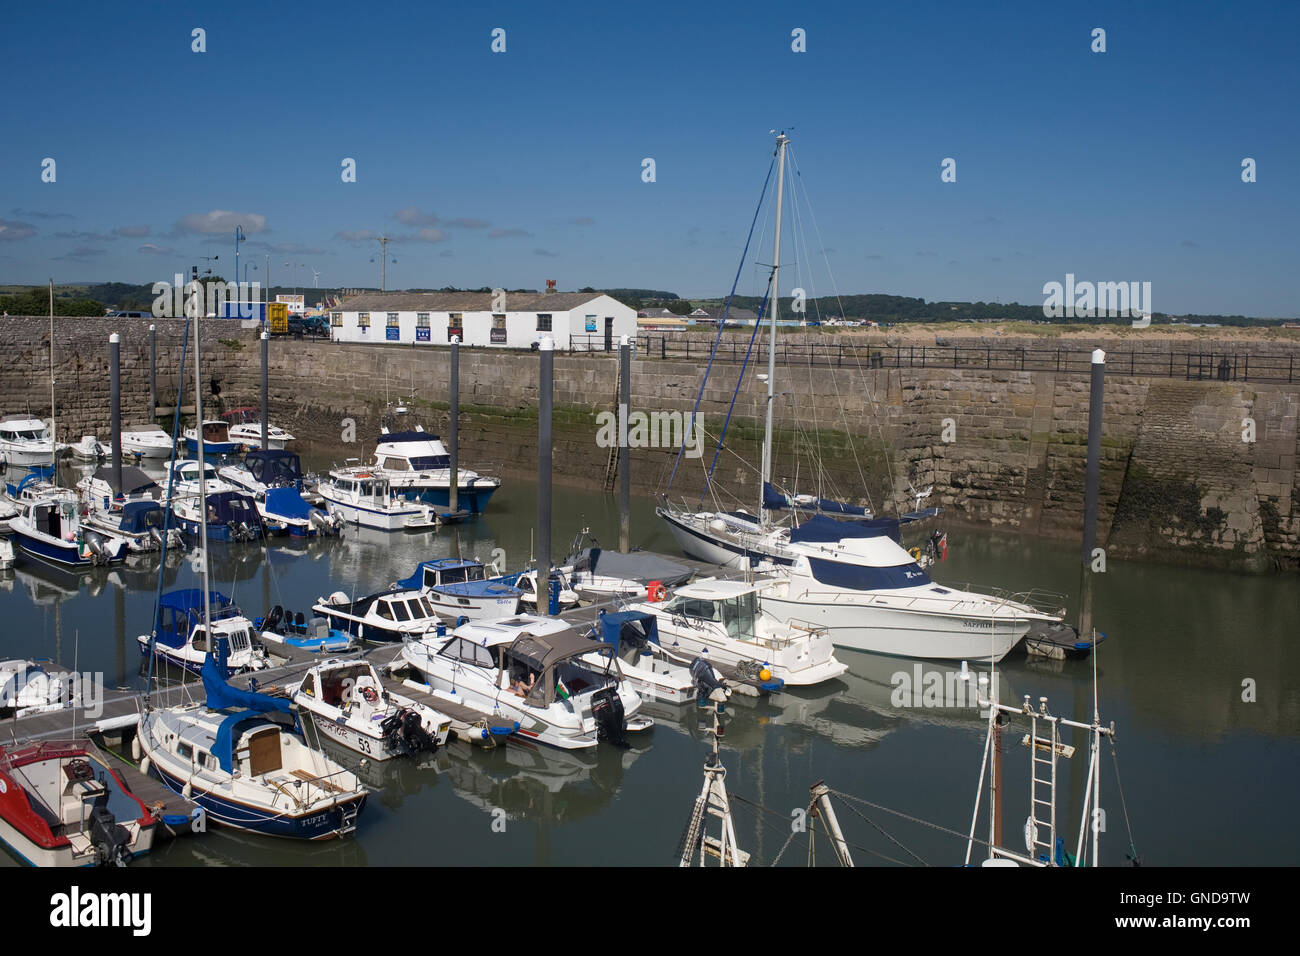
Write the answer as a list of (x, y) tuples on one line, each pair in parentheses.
[(315, 279)]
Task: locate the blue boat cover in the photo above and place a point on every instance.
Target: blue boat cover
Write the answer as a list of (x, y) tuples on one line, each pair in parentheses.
[(820, 528), (221, 696), (287, 503), (862, 578), (140, 516), (276, 467), (227, 506), (637, 627)]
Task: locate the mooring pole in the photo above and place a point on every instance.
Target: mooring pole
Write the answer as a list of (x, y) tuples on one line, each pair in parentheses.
[(1091, 493), (624, 455), (266, 392), (545, 409), (115, 407), (153, 372), (453, 431)]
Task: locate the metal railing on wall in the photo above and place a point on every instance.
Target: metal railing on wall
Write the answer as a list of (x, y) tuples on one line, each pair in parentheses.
[(1238, 366)]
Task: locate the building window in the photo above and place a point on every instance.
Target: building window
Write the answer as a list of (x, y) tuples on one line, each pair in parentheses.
[(455, 326), (422, 320), (543, 322), (363, 320), (392, 320), (498, 320), (336, 319)]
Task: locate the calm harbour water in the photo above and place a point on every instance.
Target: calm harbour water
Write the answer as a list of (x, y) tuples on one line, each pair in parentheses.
[(1207, 778)]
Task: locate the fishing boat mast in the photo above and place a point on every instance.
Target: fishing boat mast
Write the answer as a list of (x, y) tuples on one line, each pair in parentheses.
[(195, 305), (781, 141)]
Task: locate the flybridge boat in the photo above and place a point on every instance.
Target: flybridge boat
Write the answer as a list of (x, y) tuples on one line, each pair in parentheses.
[(60, 805), (25, 441), (181, 638), (855, 580), (246, 428), (361, 496), (274, 480), (382, 618), (52, 529), (417, 466), (534, 670), (348, 701), (457, 588), (242, 757), (216, 439), (146, 441), (727, 622)]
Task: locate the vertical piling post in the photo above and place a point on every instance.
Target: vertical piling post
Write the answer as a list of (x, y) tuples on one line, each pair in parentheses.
[(266, 392), (153, 372), (1092, 492), (545, 409), (624, 454), (453, 430), (115, 407)]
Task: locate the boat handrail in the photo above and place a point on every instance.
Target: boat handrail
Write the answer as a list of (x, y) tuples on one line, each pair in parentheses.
[(902, 601)]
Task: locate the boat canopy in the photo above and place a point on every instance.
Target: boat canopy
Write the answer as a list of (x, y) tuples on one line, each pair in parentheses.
[(139, 516), (443, 571), (862, 578), (821, 529), (134, 481), (287, 503), (394, 437), (542, 654), (636, 628), (182, 610), (225, 507), (274, 467)]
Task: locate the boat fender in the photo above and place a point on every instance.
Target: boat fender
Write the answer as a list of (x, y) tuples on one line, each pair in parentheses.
[(188, 790), (135, 748), (915, 553), (144, 766)]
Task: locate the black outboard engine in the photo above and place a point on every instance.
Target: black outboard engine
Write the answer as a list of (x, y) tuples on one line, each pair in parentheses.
[(404, 733), (706, 681), (110, 839), (607, 709)]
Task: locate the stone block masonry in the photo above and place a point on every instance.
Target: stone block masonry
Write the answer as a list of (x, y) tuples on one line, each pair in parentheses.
[(1002, 449)]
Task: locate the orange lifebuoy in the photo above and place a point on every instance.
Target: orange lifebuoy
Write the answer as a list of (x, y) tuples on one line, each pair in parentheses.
[(369, 694), (656, 592)]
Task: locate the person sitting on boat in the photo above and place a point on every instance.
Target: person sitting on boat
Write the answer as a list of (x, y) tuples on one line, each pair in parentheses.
[(522, 689)]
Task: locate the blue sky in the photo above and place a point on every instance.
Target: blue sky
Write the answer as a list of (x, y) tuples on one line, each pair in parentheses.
[(508, 169)]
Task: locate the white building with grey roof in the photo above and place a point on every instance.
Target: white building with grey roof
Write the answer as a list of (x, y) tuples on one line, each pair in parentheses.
[(515, 320)]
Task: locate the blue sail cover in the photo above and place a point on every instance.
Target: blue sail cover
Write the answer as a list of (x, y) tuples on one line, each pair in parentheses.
[(275, 467), (821, 529), (774, 500), (221, 696)]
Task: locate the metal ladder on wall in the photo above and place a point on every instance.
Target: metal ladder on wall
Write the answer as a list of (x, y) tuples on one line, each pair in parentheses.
[(611, 463)]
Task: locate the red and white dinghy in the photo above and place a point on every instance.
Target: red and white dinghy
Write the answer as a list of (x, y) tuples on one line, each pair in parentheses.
[(60, 805)]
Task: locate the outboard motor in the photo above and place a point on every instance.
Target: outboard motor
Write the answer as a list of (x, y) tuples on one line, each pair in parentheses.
[(156, 537), (607, 709), (706, 681), (110, 839), (404, 733), (98, 554)]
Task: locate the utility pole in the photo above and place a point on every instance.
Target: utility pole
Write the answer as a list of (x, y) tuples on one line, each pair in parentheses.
[(383, 263)]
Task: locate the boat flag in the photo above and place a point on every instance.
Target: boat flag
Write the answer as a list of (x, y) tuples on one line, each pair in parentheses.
[(561, 689)]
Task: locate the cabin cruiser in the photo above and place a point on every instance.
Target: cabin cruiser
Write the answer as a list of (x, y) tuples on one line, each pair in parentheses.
[(855, 580), (146, 441), (62, 805), (216, 439), (242, 757), (417, 466), (382, 618), (25, 441), (52, 529), (348, 701), (246, 428), (89, 448), (729, 623), (360, 496), (27, 688), (274, 480), (458, 588), (181, 639), (534, 670), (135, 514), (230, 516)]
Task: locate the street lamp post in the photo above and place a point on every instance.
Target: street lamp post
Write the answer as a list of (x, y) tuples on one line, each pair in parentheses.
[(239, 237)]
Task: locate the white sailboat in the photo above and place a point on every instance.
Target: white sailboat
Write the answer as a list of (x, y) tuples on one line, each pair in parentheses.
[(851, 577)]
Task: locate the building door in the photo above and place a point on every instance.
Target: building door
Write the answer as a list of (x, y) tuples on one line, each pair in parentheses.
[(609, 333)]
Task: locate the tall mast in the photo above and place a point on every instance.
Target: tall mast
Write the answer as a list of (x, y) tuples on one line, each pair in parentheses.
[(772, 298), (197, 308), (54, 431)]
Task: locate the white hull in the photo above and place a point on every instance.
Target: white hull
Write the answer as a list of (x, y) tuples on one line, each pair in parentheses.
[(901, 633), (394, 520), (476, 609), (146, 449), (21, 455)]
